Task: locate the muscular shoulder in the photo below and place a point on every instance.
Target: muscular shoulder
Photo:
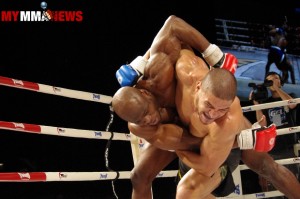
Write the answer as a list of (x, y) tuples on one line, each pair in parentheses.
[(189, 67)]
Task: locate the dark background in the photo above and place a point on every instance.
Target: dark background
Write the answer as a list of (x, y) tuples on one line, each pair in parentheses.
[(84, 56)]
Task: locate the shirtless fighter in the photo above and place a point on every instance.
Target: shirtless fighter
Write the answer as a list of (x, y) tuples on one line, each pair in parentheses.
[(204, 112)]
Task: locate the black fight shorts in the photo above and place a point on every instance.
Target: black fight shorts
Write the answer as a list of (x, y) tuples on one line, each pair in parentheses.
[(227, 185)]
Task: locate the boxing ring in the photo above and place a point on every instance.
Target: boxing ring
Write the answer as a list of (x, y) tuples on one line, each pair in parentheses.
[(136, 142)]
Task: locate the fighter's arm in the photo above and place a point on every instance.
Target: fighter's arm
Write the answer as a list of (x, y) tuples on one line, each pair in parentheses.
[(159, 74), (213, 152), (167, 45), (163, 55), (215, 149), (178, 31), (166, 136), (163, 51), (217, 144), (188, 35)]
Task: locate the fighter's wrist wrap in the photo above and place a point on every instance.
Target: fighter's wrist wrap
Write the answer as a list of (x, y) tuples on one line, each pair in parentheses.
[(246, 139), (139, 64), (212, 55)]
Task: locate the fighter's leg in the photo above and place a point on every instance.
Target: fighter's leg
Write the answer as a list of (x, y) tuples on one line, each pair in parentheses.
[(151, 161), (195, 185), (280, 177)]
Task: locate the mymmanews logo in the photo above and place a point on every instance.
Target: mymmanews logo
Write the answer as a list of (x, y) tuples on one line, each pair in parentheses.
[(44, 14)]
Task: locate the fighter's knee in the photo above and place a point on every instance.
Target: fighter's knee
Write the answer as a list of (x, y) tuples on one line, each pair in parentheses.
[(188, 187), (135, 177), (187, 184), (140, 178)]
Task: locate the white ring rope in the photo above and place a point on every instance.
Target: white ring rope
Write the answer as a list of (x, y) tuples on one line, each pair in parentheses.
[(268, 194), (59, 131), (6, 81), (70, 176), (93, 176), (91, 134), (271, 105)]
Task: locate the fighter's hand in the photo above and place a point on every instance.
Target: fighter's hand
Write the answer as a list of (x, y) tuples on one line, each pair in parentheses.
[(260, 139), (215, 58), (128, 74)]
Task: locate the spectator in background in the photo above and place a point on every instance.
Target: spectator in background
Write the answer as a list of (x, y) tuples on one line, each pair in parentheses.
[(283, 117), (277, 54)]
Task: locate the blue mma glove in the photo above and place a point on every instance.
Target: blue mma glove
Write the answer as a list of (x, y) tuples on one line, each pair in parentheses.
[(127, 75)]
